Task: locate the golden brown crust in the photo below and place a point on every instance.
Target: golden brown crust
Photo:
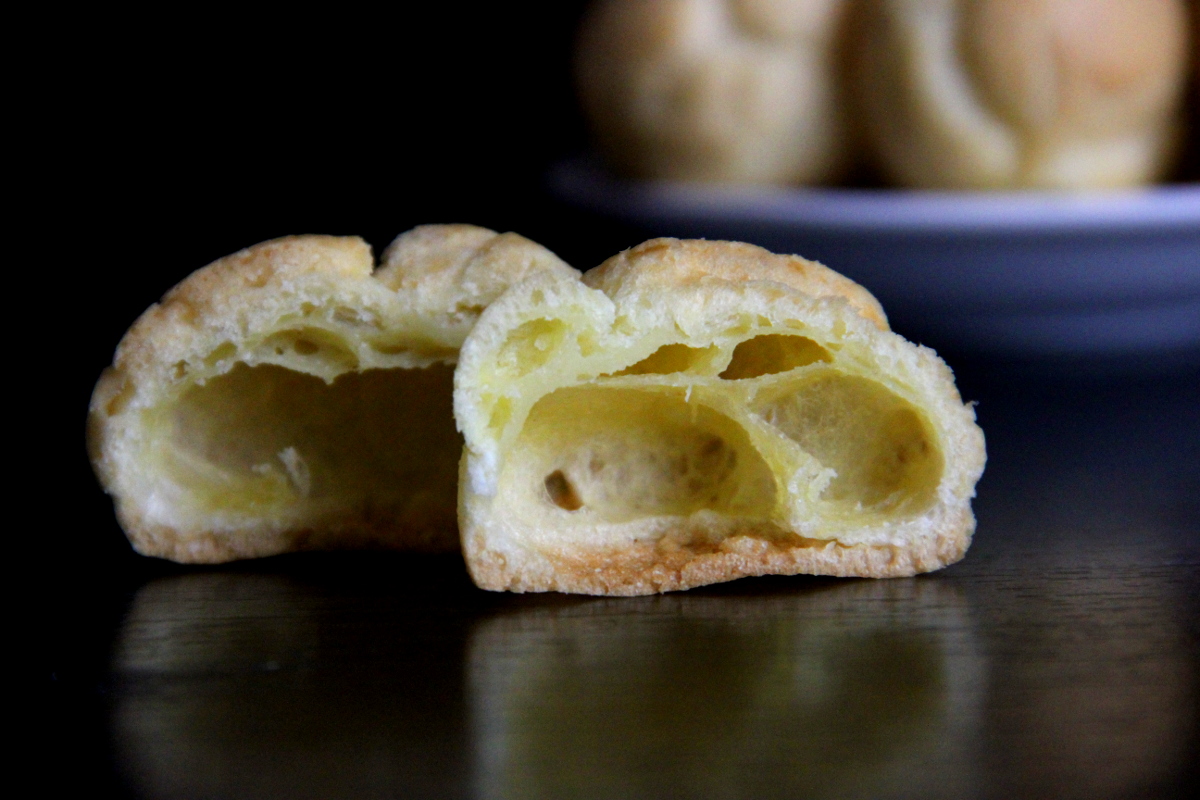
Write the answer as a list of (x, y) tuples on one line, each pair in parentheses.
[(688, 559), (193, 546), (199, 473), (675, 263), (197, 307), (665, 566), (452, 272), (633, 374)]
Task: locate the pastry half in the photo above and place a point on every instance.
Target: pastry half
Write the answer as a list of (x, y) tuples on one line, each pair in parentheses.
[(291, 396), (693, 412)]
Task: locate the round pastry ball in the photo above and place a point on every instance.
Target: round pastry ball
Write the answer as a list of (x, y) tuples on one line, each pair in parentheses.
[(735, 91), (1059, 94), (1194, 134)]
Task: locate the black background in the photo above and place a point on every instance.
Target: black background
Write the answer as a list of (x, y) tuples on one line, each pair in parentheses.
[(154, 143), (214, 133)]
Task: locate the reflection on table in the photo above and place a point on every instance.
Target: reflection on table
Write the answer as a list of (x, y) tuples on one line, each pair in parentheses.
[(839, 689), (1059, 659)]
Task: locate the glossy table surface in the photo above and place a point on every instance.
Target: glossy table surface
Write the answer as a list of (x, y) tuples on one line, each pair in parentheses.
[(1061, 658)]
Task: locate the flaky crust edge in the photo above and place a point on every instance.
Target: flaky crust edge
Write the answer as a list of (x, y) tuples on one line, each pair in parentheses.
[(677, 562)]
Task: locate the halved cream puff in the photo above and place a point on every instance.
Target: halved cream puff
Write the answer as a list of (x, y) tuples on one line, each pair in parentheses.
[(291, 396), (692, 412)]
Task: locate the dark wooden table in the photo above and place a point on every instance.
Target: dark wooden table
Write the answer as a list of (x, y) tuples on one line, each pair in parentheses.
[(1061, 658)]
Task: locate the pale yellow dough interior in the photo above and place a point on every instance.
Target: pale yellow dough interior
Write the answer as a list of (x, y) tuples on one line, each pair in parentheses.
[(626, 453), (724, 429), (376, 445)]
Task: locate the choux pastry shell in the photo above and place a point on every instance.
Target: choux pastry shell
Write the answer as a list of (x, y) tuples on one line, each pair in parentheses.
[(693, 412), (290, 396)]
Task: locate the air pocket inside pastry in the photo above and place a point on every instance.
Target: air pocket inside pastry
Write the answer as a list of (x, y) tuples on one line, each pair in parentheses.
[(692, 412), (290, 397)]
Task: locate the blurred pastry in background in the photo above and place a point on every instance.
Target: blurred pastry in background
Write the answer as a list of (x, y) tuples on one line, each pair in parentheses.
[(691, 412), (1193, 171), (734, 91), (1055, 94)]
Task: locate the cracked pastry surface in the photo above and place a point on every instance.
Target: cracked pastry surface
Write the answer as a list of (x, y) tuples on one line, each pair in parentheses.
[(291, 396), (692, 412)]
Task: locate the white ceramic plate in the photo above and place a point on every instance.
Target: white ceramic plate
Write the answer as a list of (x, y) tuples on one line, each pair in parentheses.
[(1010, 273)]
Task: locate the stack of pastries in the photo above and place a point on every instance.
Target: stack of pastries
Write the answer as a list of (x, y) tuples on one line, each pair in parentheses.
[(970, 94), (689, 412)]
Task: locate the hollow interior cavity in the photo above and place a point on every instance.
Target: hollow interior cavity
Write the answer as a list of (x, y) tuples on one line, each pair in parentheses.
[(621, 454), (310, 342), (530, 345), (672, 358), (771, 354), (882, 449), (380, 444)]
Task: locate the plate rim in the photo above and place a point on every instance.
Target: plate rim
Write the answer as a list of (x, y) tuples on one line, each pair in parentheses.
[(1160, 208)]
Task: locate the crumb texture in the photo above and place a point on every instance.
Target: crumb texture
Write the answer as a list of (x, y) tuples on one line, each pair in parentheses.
[(649, 435), (291, 396)]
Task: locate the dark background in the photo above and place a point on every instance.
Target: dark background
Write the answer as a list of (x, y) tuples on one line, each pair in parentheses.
[(172, 140), (219, 133)]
